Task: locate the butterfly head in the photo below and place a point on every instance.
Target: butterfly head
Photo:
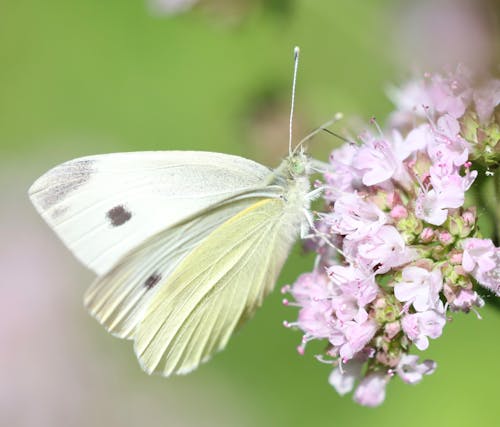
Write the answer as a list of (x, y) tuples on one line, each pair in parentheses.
[(298, 164)]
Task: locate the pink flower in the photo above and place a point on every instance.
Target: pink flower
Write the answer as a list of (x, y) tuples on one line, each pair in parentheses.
[(353, 281), (315, 320), (382, 250), (355, 217), (347, 307), (482, 259), (371, 389), (447, 145), (412, 372), (343, 177), (354, 291), (311, 287), (351, 337), (448, 192), (343, 377), (486, 98), (312, 293), (465, 300), (376, 160), (491, 278), (479, 255), (396, 241), (419, 326), (410, 100), (451, 95), (415, 141), (431, 208), (419, 287)]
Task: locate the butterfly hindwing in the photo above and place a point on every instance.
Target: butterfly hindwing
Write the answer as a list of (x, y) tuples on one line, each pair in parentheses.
[(214, 289)]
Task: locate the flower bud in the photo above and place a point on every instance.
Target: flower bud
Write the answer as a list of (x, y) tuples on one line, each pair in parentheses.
[(458, 226), (445, 238), (427, 235)]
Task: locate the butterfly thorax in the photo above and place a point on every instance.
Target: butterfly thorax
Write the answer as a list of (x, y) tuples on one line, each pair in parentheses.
[(293, 175)]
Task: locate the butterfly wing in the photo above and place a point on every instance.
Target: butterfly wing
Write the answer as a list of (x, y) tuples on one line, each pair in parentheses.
[(215, 288), (119, 299), (106, 205)]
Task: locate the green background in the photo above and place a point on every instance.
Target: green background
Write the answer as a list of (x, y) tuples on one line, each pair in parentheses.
[(86, 77)]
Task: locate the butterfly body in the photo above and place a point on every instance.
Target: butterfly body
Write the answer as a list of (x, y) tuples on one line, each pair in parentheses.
[(185, 244)]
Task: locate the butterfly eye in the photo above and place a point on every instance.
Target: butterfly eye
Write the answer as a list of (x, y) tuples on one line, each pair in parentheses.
[(298, 168)]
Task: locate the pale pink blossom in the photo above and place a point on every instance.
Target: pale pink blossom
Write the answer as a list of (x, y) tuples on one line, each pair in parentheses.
[(447, 145), (382, 250), (344, 377), (354, 291), (311, 287), (410, 100), (416, 140), (491, 278), (351, 337), (447, 192), (355, 217), (315, 319), (486, 98), (354, 281), (482, 259), (371, 389), (412, 372), (376, 160), (452, 94), (446, 179), (419, 327), (313, 292), (419, 287), (465, 300), (479, 255), (342, 177), (430, 207)]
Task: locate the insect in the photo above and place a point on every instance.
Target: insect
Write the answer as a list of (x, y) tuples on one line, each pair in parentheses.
[(186, 244)]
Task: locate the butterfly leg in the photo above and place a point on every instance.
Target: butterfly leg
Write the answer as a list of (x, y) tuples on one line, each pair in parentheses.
[(308, 224), (320, 167), (314, 194)]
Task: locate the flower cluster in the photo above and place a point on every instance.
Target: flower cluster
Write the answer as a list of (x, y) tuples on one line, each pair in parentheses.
[(396, 247)]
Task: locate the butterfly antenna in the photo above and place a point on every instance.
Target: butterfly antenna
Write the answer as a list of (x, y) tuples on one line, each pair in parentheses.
[(342, 138), (296, 52), (323, 127)]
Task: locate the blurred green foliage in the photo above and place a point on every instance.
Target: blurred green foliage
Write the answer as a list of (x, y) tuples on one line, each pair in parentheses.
[(85, 77)]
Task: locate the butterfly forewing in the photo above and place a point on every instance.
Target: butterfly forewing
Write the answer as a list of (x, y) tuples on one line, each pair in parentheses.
[(104, 206)]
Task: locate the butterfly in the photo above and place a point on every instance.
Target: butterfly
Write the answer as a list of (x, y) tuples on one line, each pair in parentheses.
[(186, 244)]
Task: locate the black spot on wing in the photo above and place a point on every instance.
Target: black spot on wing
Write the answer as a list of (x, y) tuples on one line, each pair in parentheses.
[(118, 215), (152, 280), (59, 211), (64, 180)]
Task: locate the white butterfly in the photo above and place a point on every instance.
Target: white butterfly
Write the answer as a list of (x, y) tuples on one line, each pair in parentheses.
[(185, 244)]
